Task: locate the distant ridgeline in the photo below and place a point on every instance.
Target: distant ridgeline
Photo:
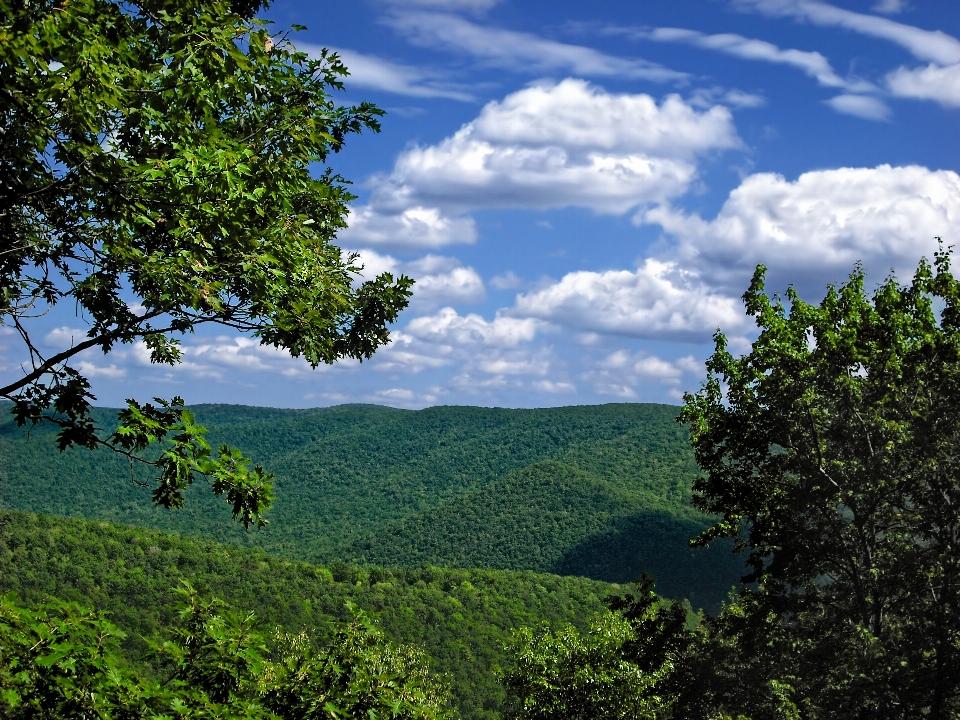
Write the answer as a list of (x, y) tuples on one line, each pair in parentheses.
[(597, 491)]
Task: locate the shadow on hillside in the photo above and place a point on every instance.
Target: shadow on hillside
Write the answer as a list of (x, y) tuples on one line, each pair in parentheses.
[(656, 543)]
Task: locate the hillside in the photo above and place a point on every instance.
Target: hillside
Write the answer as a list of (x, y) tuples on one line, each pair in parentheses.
[(598, 491), (459, 617)]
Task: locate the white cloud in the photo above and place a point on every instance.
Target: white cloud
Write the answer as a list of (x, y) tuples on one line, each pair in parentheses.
[(522, 52), (623, 373), (369, 71), (396, 394), (581, 117), (889, 6), (547, 146), (500, 347), (475, 5), (641, 364), (412, 227), (660, 300), (64, 337), (812, 230), (708, 97), (551, 387), (862, 106), (939, 81), (811, 63), (91, 370), (506, 281), (440, 280), (465, 173), (472, 331), (941, 84), (402, 398), (223, 358), (931, 45), (621, 391)]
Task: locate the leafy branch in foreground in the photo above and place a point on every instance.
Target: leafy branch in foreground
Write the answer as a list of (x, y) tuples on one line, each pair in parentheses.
[(829, 453), (60, 661), (156, 161)]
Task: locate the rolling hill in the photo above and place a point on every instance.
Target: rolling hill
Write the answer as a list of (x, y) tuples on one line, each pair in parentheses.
[(461, 618), (597, 491)]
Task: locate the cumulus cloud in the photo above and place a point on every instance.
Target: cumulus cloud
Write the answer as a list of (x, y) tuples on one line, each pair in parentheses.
[(369, 71), (412, 227), (440, 280), (216, 357), (469, 355), (660, 300), (581, 117), (547, 146), (521, 52), (931, 45), (812, 230), (92, 370), (64, 337), (625, 374), (472, 332), (941, 84), (863, 106), (469, 171), (551, 387)]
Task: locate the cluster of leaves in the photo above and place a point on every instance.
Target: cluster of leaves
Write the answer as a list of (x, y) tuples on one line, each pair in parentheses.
[(461, 618), (621, 668), (648, 658), (829, 451), (829, 455), (156, 160), (595, 491), (60, 661), (566, 674)]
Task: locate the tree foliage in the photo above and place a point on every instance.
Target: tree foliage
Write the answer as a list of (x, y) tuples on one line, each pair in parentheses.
[(460, 618), (592, 491), (156, 160), (569, 675), (628, 665), (60, 661), (829, 452)]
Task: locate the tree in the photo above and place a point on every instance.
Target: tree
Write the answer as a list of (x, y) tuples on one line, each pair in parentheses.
[(60, 661), (829, 451), (625, 666), (156, 165), (569, 676)]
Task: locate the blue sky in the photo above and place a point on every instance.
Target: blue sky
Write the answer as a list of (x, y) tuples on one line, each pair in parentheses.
[(582, 190)]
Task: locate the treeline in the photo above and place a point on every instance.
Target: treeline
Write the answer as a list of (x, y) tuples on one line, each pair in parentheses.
[(461, 618), (552, 490)]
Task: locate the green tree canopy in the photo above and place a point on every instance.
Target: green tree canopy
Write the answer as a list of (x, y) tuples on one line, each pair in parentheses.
[(829, 452), (60, 661), (158, 173)]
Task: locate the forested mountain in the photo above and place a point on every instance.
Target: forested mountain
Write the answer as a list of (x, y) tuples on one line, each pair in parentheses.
[(598, 491), (461, 618)]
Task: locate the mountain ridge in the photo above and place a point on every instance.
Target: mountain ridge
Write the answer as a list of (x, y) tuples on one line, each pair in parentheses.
[(373, 484)]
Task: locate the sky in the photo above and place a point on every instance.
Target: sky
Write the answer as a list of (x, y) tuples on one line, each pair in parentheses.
[(583, 190)]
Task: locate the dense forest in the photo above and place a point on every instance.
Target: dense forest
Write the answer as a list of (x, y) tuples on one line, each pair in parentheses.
[(595, 491), (460, 618)]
